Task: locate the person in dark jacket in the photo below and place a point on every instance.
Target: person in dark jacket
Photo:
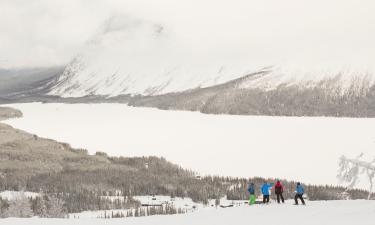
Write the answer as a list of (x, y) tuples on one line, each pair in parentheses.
[(279, 189), (266, 192), (299, 194), (251, 190)]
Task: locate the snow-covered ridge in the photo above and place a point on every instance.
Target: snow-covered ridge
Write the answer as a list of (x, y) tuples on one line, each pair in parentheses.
[(337, 81)]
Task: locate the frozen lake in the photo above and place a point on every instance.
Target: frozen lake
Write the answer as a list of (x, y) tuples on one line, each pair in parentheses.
[(303, 149)]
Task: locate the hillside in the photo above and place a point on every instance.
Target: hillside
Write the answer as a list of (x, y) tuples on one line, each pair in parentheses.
[(261, 94)]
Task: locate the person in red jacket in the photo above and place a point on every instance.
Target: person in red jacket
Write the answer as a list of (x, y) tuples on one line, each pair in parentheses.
[(279, 189)]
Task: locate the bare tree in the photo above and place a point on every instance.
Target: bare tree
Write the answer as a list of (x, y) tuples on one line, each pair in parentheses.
[(351, 169)]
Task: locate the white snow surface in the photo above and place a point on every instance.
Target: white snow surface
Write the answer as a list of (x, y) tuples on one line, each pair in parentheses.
[(304, 149), (315, 213), (185, 203), (182, 46), (14, 195)]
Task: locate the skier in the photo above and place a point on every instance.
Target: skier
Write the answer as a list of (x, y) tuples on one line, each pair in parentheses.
[(251, 190), (299, 194), (279, 189), (266, 192)]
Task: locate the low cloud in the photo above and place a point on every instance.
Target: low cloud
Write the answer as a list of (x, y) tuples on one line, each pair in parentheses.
[(47, 33)]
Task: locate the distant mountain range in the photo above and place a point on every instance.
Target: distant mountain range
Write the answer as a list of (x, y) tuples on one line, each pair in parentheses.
[(253, 94)]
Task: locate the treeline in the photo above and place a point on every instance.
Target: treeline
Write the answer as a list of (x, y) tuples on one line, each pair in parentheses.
[(145, 211), (46, 206), (82, 189)]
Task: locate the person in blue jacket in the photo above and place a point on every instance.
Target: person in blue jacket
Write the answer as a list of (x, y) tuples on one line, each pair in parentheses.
[(265, 189), (299, 194), (251, 190)]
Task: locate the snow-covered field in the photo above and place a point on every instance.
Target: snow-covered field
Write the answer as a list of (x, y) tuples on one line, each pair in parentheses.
[(14, 195), (315, 213), (305, 149), (185, 204)]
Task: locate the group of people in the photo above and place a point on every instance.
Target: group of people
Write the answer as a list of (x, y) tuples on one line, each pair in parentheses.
[(279, 189)]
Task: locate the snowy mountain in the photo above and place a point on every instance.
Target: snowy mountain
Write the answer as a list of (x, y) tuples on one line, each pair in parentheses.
[(131, 55), (257, 61)]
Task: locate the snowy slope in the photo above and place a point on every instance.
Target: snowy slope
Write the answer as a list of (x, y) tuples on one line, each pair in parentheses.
[(177, 50), (294, 148), (132, 56), (356, 80), (332, 212)]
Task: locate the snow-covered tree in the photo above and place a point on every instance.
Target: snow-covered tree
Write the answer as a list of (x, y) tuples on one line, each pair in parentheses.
[(4, 204), (55, 207), (351, 169), (20, 207), (39, 207)]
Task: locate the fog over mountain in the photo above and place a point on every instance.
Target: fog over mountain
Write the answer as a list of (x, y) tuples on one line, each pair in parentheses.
[(159, 54)]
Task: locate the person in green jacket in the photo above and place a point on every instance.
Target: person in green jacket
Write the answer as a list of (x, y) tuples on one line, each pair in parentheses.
[(251, 190)]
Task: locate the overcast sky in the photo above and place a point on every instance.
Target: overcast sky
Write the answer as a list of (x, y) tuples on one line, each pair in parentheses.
[(35, 33)]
